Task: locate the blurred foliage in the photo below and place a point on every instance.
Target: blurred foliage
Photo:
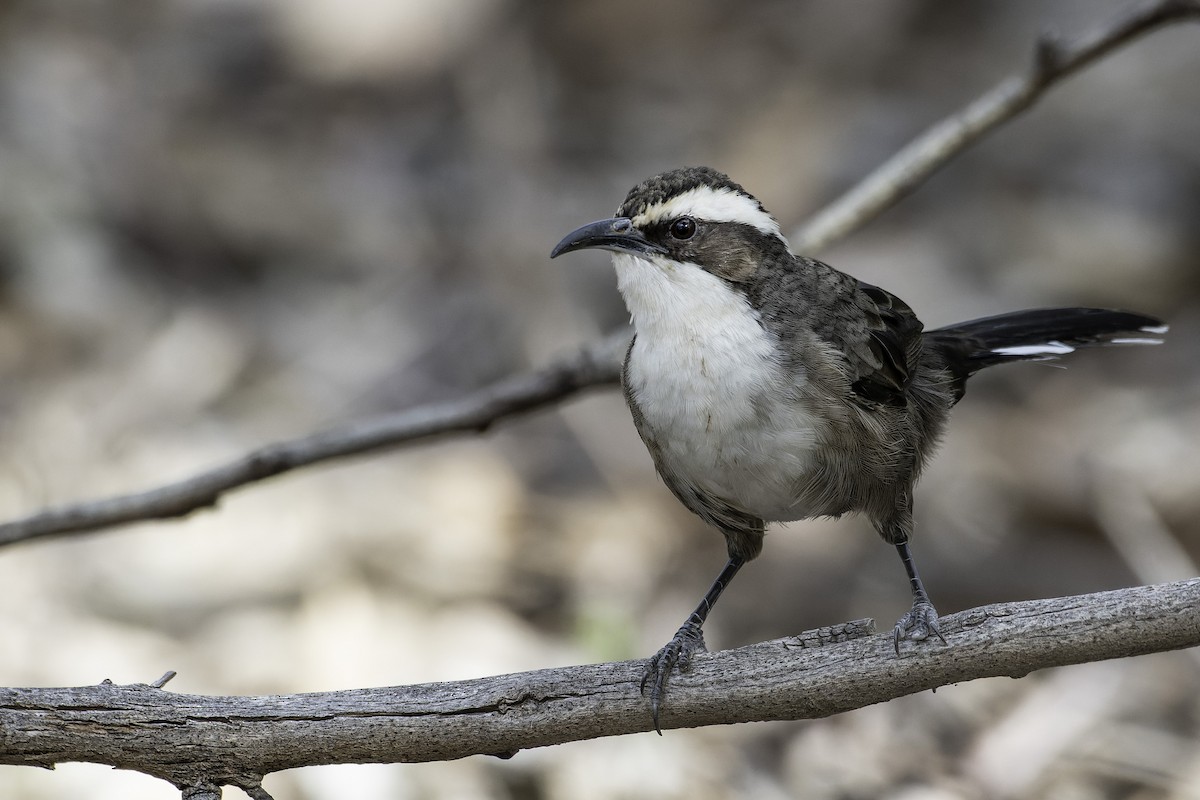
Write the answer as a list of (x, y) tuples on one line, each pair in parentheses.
[(224, 222)]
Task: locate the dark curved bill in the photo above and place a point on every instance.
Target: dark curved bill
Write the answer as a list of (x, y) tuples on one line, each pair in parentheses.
[(617, 235)]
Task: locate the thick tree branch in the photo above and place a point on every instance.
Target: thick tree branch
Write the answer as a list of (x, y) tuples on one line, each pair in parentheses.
[(1054, 60), (597, 364), (199, 743)]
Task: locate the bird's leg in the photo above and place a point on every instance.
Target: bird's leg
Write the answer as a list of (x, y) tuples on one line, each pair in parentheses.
[(922, 619), (688, 639)]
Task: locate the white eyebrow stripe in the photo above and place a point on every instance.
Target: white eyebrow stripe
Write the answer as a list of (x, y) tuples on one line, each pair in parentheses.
[(714, 205)]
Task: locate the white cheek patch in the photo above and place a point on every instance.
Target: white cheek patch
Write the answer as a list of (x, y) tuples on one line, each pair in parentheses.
[(712, 205)]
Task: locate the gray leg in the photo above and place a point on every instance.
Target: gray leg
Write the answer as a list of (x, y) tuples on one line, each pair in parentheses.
[(922, 620), (688, 639)]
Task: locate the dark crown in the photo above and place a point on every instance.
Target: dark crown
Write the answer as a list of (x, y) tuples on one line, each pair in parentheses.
[(666, 185)]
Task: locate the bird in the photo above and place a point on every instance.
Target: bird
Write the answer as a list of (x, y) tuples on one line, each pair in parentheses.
[(771, 387)]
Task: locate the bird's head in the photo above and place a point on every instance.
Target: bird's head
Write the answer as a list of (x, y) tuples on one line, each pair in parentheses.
[(691, 217)]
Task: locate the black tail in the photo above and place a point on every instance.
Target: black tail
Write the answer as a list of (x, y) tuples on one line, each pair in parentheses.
[(1036, 335)]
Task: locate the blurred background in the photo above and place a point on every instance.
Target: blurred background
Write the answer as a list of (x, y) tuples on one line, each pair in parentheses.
[(227, 222)]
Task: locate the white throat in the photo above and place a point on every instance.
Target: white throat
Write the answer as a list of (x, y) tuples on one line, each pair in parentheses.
[(666, 299), (706, 376)]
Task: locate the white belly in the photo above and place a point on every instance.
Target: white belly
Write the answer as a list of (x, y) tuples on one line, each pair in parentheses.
[(704, 375)]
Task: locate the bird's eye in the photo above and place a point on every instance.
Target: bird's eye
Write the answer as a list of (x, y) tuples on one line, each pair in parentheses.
[(683, 228)]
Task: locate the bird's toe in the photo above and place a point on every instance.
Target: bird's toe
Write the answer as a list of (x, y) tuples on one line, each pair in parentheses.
[(676, 654), (920, 623)]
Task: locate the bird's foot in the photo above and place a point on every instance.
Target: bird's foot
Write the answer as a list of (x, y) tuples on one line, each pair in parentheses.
[(918, 624), (688, 640)]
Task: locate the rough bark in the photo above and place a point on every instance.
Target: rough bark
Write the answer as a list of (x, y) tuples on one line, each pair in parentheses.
[(197, 741)]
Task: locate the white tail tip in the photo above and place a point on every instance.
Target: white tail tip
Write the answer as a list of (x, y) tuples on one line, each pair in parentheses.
[(1044, 349)]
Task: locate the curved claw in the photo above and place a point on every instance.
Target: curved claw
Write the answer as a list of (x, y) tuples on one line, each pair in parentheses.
[(917, 625), (688, 640)]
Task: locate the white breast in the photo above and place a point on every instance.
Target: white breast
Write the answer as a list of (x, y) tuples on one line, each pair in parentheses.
[(705, 376)]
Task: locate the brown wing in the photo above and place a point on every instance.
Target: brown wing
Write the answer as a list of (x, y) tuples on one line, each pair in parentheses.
[(879, 355), (873, 332)]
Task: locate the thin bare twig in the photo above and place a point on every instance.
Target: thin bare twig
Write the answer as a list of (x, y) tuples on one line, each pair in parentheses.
[(164, 680), (597, 364), (198, 741), (1054, 60)]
